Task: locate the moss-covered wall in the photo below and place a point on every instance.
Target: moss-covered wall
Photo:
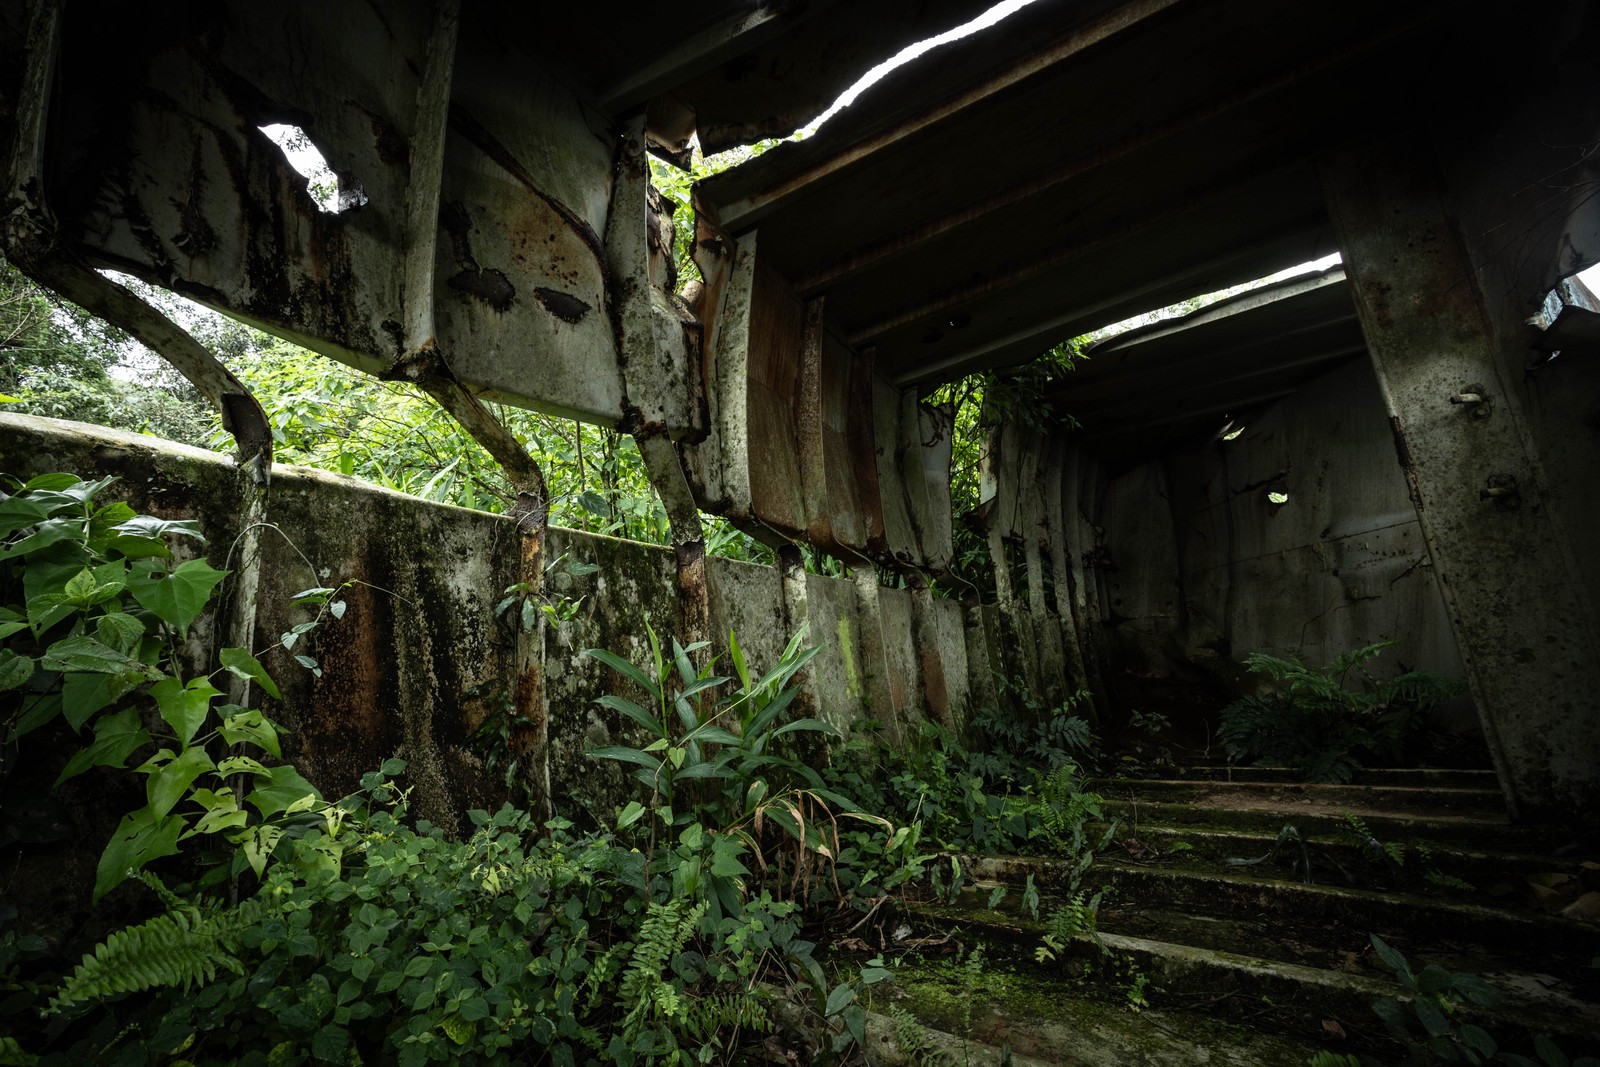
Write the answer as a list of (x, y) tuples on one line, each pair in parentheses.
[(419, 660)]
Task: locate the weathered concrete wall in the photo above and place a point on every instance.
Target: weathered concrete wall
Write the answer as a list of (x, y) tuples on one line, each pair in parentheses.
[(419, 660), (1204, 568)]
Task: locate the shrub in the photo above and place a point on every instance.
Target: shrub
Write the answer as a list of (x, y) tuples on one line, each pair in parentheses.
[(1312, 721)]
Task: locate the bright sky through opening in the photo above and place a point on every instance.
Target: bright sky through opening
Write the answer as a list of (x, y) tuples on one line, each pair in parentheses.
[(912, 51)]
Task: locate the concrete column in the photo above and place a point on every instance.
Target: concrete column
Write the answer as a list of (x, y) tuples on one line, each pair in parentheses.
[(1060, 534), (1519, 609)]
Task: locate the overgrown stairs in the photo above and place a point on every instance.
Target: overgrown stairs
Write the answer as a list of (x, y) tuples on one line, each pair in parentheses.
[(1236, 920)]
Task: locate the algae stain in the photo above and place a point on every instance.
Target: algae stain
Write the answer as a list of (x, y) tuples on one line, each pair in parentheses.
[(852, 677)]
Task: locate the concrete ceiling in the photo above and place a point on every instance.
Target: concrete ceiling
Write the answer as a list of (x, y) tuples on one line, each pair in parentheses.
[(1074, 166)]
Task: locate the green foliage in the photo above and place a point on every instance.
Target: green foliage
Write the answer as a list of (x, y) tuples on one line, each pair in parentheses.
[(1430, 1023), (1075, 916), (976, 405), (59, 361), (96, 610), (1313, 722), (719, 781), (961, 802), (1022, 735), (511, 946), (182, 948)]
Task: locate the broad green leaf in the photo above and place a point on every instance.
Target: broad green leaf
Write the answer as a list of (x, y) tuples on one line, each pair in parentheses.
[(84, 694), (756, 794), (241, 765), (40, 710), (1393, 959), (84, 492), (105, 520), (632, 711), (704, 770), (257, 842), (169, 781), (140, 838), (1431, 1017), (43, 536), (116, 737), (807, 725), (83, 653), (51, 482), (80, 587), (131, 547), (254, 727), (119, 630), (630, 814), (1477, 1039), (1549, 1051), (150, 526), (842, 995), (48, 571), (222, 812), (624, 755), (714, 734), (184, 707), (626, 669), (725, 852), (15, 670), (46, 610), (177, 597), (19, 512), (1434, 979), (337, 609), (281, 789), (239, 661)]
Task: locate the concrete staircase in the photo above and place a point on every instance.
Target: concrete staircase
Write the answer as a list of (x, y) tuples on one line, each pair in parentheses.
[(1213, 947)]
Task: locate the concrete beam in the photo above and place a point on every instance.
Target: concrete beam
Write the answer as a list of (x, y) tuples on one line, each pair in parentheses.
[(1521, 615)]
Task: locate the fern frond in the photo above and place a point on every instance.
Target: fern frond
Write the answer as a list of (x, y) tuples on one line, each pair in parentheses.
[(666, 929), (727, 1013), (181, 948)]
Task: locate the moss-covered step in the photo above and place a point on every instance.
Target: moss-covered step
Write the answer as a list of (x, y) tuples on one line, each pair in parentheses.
[(1425, 777), (1283, 997), (1386, 799), (1331, 907), (982, 1011), (1325, 819), (1337, 857)]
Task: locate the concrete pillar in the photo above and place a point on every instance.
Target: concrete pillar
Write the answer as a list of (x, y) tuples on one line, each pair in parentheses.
[(1521, 615)]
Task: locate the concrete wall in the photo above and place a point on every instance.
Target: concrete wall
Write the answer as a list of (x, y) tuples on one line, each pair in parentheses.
[(419, 660), (1204, 568)]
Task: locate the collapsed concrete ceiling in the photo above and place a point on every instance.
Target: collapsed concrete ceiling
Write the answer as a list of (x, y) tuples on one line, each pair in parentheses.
[(1078, 164)]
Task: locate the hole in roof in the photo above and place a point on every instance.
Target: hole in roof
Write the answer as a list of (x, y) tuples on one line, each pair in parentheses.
[(1192, 304), (734, 156), (1230, 435), (1569, 316), (331, 194), (910, 52), (1277, 496)]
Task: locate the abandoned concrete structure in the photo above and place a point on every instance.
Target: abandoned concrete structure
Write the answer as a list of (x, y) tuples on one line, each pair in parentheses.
[(1085, 161)]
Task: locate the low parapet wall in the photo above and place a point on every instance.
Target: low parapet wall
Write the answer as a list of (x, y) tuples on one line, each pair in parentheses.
[(419, 660)]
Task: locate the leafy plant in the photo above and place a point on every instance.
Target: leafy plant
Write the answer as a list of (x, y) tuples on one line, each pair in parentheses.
[(1430, 1023), (97, 609), (1312, 721), (721, 755), (1078, 914), (1022, 735)]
